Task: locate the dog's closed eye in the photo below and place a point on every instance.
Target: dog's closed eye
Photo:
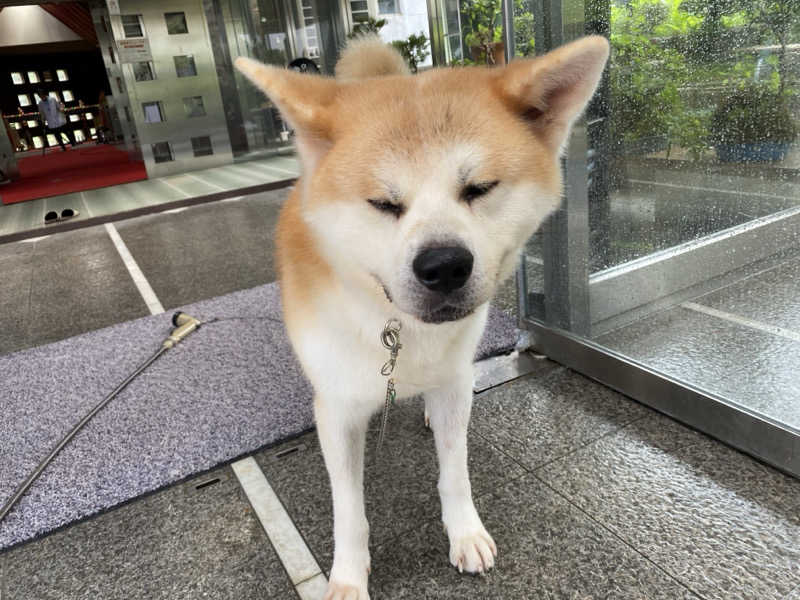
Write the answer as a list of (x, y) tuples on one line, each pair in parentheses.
[(393, 208), (473, 191)]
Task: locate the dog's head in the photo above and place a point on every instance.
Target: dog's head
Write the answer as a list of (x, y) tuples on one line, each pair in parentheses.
[(424, 188)]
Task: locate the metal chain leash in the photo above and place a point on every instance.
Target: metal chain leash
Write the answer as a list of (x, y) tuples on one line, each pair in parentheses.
[(390, 338)]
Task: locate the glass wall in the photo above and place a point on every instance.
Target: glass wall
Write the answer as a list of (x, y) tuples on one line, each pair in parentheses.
[(677, 248)]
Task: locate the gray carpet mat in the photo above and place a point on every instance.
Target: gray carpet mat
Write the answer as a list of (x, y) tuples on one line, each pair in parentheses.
[(226, 391)]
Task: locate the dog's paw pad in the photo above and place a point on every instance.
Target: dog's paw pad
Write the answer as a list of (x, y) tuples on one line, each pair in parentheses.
[(473, 553), (343, 591)]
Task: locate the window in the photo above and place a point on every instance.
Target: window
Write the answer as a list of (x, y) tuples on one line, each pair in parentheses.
[(387, 7), (79, 135), (360, 10), (162, 152), (37, 141), (176, 23), (47, 75), (17, 78), (143, 71), (67, 94), (202, 146), (153, 112), (74, 118), (184, 66), (33, 77), (194, 106), (119, 85), (61, 74), (24, 99), (92, 131), (32, 123), (88, 115), (51, 140), (127, 113), (54, 94), (111, 55), (132, 26)]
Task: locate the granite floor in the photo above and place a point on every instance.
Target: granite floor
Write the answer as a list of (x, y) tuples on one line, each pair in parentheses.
[(148, 193), (587, 494)]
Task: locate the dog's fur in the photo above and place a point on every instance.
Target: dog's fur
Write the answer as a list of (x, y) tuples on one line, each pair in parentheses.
[(394, 165)]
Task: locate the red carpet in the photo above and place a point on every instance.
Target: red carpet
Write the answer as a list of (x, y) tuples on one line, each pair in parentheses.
[(83, 168)]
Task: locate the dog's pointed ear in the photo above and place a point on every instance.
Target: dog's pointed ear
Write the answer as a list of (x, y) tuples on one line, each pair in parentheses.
[(551, 91), (305, 101)]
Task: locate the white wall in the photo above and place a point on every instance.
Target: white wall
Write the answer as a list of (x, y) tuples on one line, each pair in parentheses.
[(412, 19), (23, 25)]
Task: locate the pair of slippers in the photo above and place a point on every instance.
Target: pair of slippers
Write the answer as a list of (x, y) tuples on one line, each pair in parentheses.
[(66, 214)]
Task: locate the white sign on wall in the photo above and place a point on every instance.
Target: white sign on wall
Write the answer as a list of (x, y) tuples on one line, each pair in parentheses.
[(134, 50)]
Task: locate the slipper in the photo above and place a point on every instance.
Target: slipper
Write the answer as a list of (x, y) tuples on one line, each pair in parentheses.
[(51, 217), (68, 213)]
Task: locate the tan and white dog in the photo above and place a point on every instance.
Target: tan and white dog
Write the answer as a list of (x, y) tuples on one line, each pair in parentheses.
[(417, 195)]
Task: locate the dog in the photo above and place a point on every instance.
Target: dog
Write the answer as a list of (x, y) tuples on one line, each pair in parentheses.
[(416, 196)]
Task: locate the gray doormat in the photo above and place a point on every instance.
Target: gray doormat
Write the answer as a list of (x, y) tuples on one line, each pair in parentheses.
[(226, 391)]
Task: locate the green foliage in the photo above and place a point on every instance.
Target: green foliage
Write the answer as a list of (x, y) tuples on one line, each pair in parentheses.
[(523, 28), (367, 27), (753, 114), (414, 49), (481, 22), (671, 56)]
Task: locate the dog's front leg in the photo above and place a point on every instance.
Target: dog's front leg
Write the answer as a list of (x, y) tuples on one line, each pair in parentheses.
[(342, 432), (472, 549)]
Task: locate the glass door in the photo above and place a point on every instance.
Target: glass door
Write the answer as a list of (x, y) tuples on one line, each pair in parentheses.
[(672, 270)]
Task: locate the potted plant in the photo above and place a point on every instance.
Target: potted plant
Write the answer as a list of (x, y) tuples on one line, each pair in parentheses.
[(368, 27), (753, 124), (414, 49), (483, 31)]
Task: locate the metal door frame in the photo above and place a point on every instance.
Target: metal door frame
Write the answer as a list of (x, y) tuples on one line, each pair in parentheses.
[(567, 272)]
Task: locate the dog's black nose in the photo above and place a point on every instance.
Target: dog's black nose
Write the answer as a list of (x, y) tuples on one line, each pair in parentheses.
[(443, 269)]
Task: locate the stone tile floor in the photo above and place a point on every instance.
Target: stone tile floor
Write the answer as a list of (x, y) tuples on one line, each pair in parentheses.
[(588, 495)]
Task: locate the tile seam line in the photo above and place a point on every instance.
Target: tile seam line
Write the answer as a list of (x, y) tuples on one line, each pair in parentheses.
[(742, 321), (207, 183), (139, 280), (706, 189), (250, 498), (621, 539)]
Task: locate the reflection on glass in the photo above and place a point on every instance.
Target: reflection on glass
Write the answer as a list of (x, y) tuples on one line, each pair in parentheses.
[(184, 66), (201, 146), (143, 71), (132, 26), (162, 152), (194, 106), (692, 256), (153, 112), (176, 23)]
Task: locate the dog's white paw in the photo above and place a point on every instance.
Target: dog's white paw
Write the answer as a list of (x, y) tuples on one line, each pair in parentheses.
[(344, 591), (474, 552), (348, 580)]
